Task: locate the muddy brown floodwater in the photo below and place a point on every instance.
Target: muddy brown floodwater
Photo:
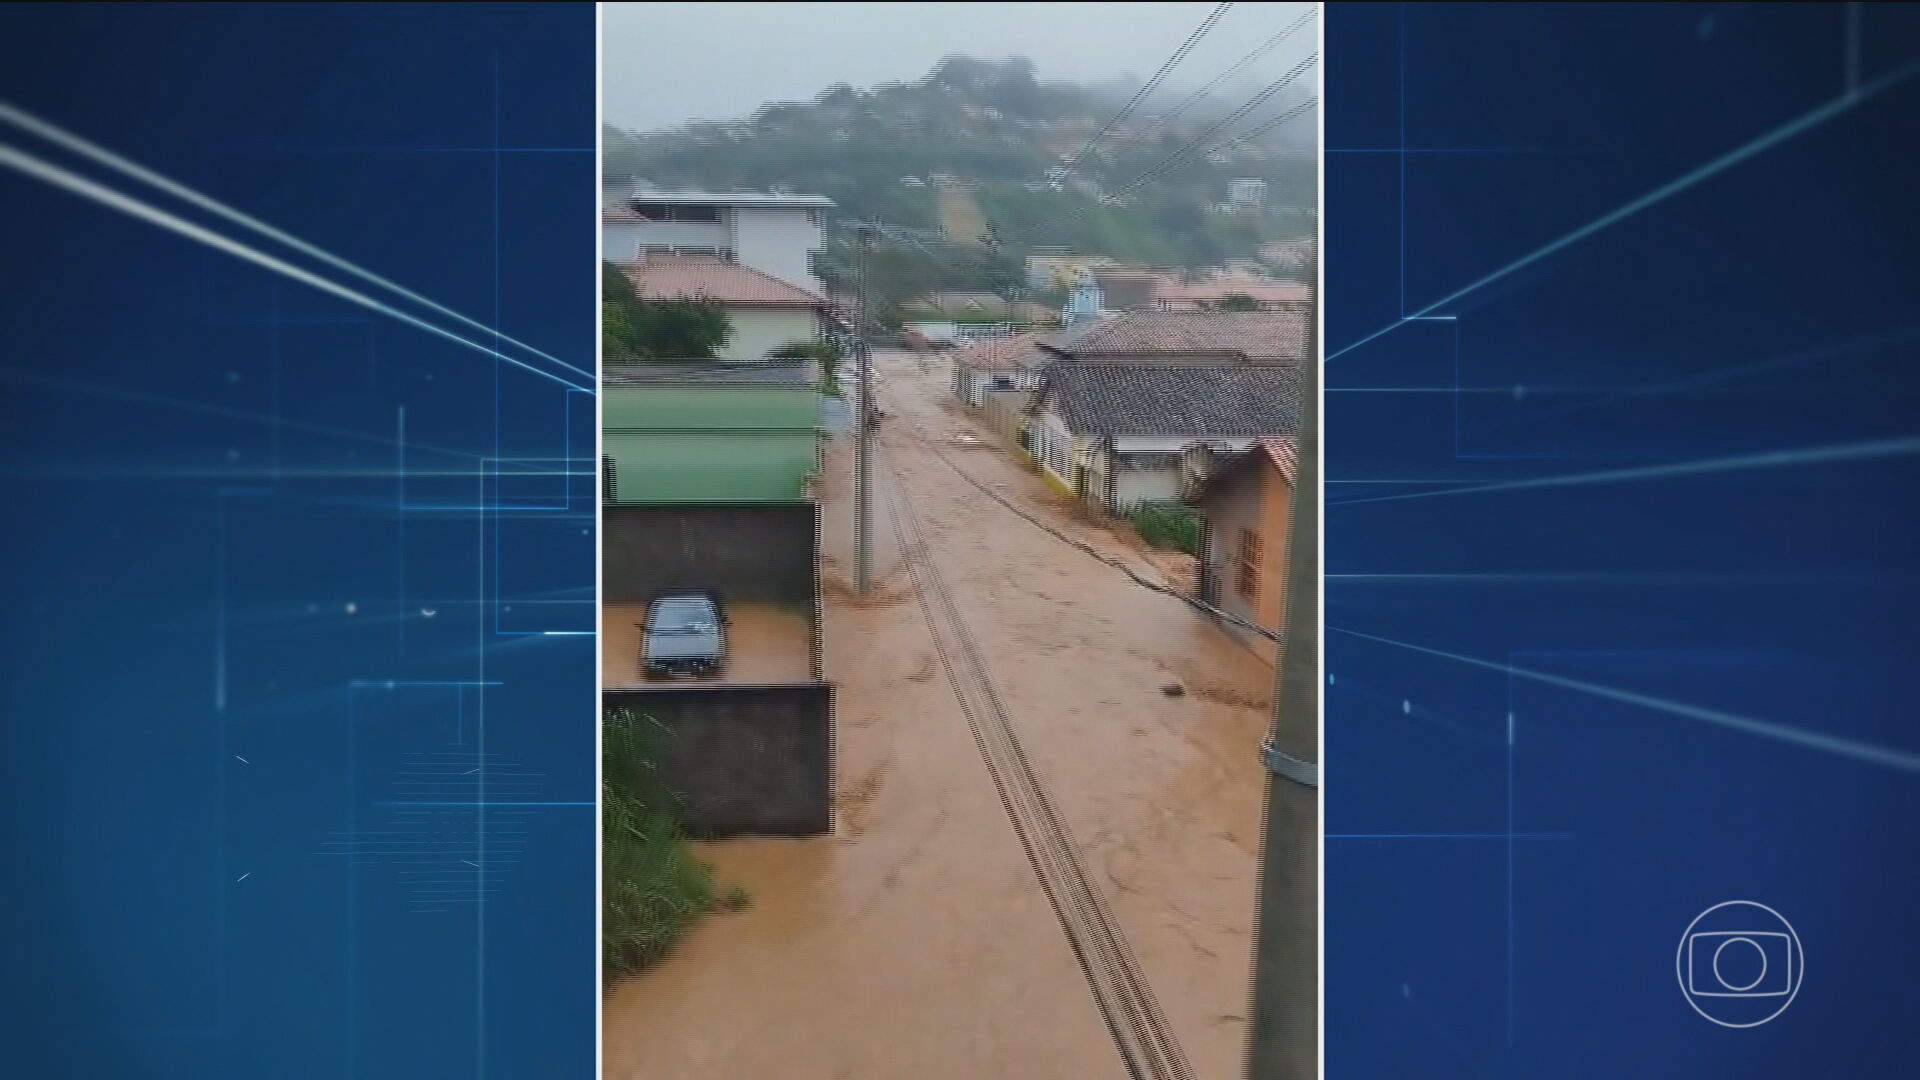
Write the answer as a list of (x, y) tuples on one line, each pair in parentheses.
[(765, 644), (916, 941)]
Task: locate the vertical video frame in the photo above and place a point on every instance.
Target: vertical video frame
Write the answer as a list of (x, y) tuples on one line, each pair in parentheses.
[(959, 543)]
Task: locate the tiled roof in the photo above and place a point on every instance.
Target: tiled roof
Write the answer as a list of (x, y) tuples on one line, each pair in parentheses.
[(1259, 336), (668, 277), (960, 300), (1231, 400), (620, 214), (1013, 352), (1285, 453), (1281, 451)]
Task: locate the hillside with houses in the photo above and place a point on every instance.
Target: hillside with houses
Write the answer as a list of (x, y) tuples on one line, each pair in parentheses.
[(987, 146)]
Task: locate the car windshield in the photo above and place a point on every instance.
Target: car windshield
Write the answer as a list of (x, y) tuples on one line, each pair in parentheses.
[(681, 615)]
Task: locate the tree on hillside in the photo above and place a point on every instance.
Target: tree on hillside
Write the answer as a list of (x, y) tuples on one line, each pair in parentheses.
[(1237, 302)]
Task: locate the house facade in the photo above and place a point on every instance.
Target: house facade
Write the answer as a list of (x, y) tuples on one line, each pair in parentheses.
[(1247, 193), (1010, 362), (714, 433), (1115, 433), (778, 235), (765, 311), (1245, 502)]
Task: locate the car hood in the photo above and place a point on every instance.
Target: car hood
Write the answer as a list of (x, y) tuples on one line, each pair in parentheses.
[(697, 645)]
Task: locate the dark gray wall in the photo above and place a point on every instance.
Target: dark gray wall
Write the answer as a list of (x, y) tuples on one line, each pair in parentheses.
[(740, 760), (750, 554)]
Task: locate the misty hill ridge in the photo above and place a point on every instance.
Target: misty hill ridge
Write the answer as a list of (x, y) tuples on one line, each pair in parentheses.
[(995, 129)]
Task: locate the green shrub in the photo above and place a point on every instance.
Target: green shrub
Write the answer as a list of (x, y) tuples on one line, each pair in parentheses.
[(653, 885), (1164, 525), (687, 328), (823, 353)]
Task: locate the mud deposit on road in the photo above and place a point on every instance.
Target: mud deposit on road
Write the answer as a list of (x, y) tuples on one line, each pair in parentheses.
[(915, 941)]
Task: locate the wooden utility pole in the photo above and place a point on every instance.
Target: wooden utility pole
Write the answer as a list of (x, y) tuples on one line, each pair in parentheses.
[(863, 429), (1284, 1037)]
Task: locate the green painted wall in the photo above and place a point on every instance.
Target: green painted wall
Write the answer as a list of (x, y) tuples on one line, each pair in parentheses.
[(710, 407), (710, 444), (710, 468)]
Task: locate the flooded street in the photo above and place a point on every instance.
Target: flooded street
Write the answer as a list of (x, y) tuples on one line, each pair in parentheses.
[(917, 940)]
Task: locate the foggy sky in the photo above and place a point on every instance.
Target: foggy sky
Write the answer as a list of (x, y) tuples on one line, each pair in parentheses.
[(665, 64)]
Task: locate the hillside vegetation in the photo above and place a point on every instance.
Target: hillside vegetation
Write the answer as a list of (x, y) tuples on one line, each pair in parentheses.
[(894, 154)]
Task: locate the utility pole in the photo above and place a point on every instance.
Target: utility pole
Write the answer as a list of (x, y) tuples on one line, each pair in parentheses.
[(1284, 1037), (863, 426)]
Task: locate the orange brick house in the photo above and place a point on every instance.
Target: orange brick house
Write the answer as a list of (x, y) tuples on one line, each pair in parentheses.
[(1245, 502)]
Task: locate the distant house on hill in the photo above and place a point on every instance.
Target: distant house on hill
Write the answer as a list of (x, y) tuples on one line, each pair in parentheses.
[(1059, 270), (1211, 294), (960, 304)]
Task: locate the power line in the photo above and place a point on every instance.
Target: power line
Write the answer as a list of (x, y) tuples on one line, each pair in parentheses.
[(1239, 66), (1186, 150), (1255, 132), (1151, 85), (1182, 158)]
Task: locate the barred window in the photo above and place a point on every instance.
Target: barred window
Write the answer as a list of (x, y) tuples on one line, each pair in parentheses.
[(609, 491)]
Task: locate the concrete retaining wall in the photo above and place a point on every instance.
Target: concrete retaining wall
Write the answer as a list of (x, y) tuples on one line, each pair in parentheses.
[(739, 760), (749, 554)]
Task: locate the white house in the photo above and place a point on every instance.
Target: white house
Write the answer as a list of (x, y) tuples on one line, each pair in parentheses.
[(1115, 433), (765, 311), (777, 234), (1247, 193), (1005, 362)]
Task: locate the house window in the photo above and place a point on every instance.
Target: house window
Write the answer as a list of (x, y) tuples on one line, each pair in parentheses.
[(1247, 570), (609, 491), (677, 212)]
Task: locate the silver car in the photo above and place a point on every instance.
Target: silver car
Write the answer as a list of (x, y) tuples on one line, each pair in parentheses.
[(685, 635)]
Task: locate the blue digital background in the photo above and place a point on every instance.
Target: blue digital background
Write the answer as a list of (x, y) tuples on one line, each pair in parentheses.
[(1623, 368), (294, 585)]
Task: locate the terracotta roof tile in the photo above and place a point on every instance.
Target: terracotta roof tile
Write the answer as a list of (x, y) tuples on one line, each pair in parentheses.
[(668, 277), (1285, 452), (1282, 451), (1012, 352), (1259, 336)]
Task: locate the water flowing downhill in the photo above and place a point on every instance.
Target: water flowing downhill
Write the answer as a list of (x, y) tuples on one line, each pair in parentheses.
[(1042, 866)]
